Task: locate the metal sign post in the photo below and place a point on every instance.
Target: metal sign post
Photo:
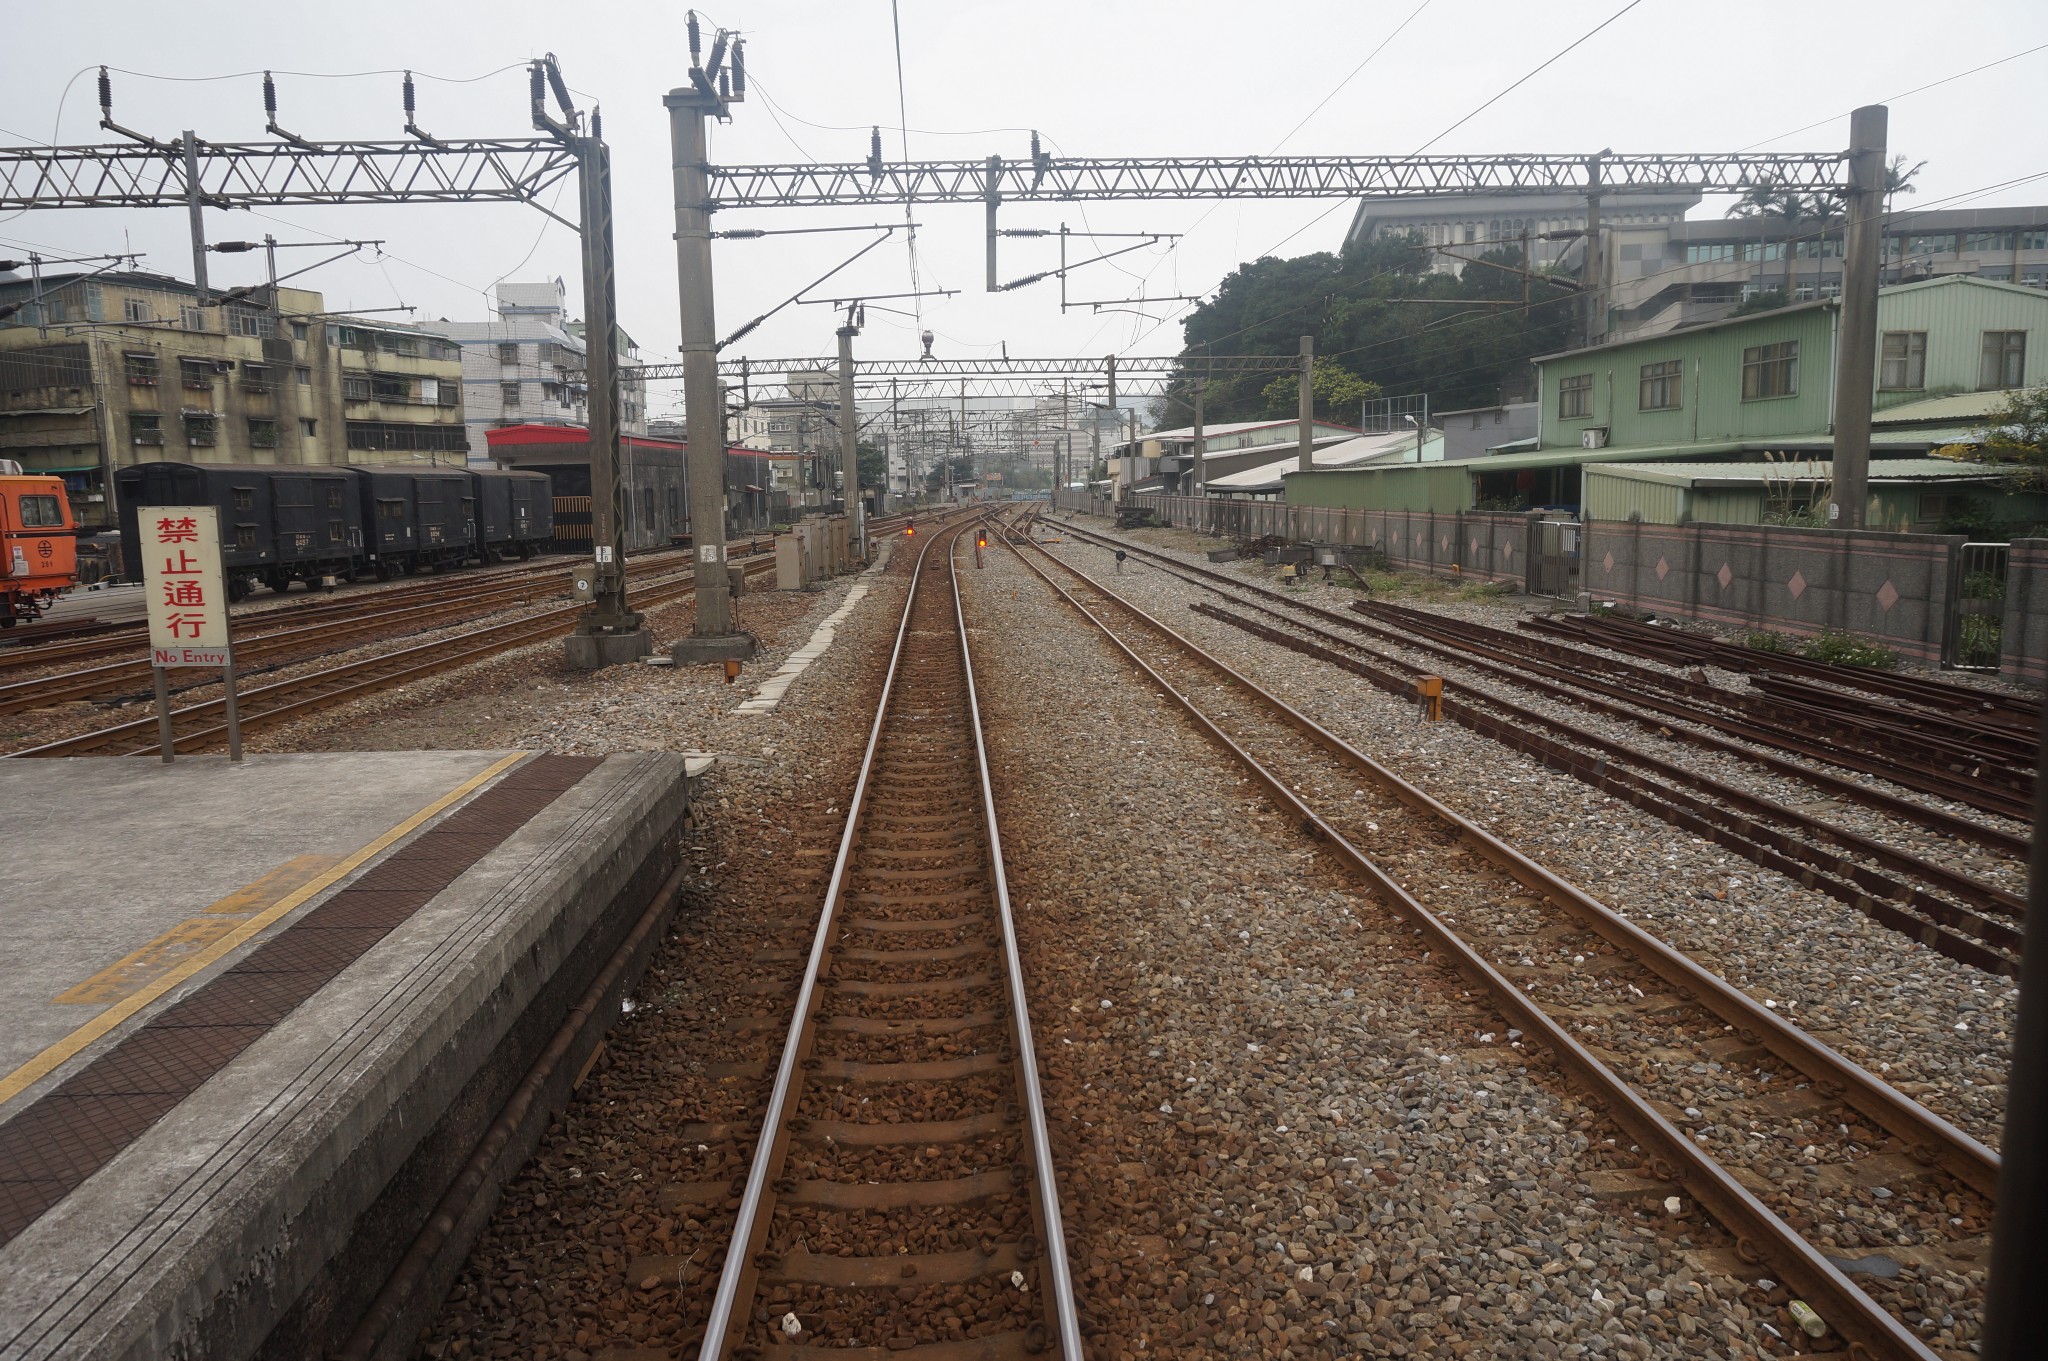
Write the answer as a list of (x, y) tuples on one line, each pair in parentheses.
[(184, 584)]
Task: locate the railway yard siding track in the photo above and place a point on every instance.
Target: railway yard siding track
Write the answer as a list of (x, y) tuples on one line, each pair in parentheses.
[(1967, 918), (201, 723), (1637, 1016)]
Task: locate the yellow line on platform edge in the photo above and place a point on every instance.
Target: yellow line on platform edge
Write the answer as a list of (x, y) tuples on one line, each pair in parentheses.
[(28, 1074)]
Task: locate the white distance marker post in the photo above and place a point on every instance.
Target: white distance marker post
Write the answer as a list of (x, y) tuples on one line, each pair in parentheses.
[(185, 589)]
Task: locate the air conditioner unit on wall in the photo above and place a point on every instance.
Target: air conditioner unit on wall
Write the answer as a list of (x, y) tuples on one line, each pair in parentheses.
[(1593, 437)]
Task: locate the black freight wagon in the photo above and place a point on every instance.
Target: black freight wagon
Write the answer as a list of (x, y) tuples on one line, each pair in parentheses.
[(515, 512), (416, 517), (242, 494), (317, 522)]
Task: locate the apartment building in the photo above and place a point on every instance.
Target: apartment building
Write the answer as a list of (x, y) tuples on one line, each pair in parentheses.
[(1661, 271), (1462, 227), (527, 367), (1701, 271), (98, 371)]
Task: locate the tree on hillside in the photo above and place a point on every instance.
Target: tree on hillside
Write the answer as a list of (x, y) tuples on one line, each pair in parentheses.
[(1337, 393), (1381, 317)]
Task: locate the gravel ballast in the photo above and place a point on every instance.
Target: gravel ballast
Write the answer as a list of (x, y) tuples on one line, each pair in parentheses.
[(1282, 1130), (1935, 1028)]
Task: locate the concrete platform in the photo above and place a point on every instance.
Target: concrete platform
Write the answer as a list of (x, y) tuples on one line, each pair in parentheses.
[(254, 1020)]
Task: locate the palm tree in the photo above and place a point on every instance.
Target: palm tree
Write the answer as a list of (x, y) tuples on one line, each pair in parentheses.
[(1898, 179), (1768, 200)]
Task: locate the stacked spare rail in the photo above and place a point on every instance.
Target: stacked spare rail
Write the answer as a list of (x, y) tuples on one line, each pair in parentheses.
[(901, 1193), (1780, 1138)]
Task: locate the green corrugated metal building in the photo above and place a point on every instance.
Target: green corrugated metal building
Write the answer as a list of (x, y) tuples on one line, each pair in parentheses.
[(1915, 494), (1771, 375), (1949, 348)]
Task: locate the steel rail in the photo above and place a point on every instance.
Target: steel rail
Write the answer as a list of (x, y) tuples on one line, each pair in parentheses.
[(724, 1327), (1739, 719), (752, 1228), (1586, 693), (1066, 1313), (1746, 823), (442, 654), (252, 649), (327, 621), (1970, 1161), (123, 634), (1843, 1305), (1947, 927), (2023, 715)]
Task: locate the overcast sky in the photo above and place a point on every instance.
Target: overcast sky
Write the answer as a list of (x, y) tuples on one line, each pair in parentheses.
[(1107, 77)]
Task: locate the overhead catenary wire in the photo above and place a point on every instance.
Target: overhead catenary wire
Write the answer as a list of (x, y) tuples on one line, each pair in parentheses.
[(903, 130), (1490, 102), (1893, 99)]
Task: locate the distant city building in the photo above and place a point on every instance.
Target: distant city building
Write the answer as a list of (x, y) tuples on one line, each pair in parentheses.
[(1662, 271), (1462, 227), (527, 367), (105, 370)]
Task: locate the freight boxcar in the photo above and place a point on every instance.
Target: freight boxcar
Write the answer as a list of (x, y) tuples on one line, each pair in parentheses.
[(316, 526), (515, 512), (416, 518), (242, 492), (38, 544)]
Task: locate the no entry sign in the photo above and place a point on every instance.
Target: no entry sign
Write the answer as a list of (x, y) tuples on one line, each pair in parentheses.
[(185, 592)]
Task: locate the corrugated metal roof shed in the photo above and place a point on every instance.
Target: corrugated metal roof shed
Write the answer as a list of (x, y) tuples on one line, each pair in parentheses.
[(1266, 477), (1750, 474), (1960, 406)]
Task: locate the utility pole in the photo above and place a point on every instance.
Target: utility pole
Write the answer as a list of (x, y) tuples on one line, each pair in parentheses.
[(196, 218), (849, 435), (1596, 258), (1855, 374), (1201, 464), (1306, 437), (608, 632), (712, 637)]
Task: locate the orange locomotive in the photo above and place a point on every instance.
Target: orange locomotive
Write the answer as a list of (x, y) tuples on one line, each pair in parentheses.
[(38, 545)]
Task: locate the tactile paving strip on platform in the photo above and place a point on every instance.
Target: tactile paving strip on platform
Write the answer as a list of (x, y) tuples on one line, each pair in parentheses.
[(56, 1142)]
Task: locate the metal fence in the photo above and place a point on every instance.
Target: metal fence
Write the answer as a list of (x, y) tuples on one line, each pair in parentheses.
[(1932, 598)]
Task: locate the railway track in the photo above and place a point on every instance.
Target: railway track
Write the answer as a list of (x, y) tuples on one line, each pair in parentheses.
[(901, 1196), (126, 638), (1967, 918), (202, 724), (1950, 756), (1804, 1157), (259, 649)]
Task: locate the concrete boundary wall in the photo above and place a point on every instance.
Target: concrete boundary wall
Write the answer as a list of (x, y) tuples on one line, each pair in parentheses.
[(1897, 589), (2025, 635), (1473, 544), (1894, 588)]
